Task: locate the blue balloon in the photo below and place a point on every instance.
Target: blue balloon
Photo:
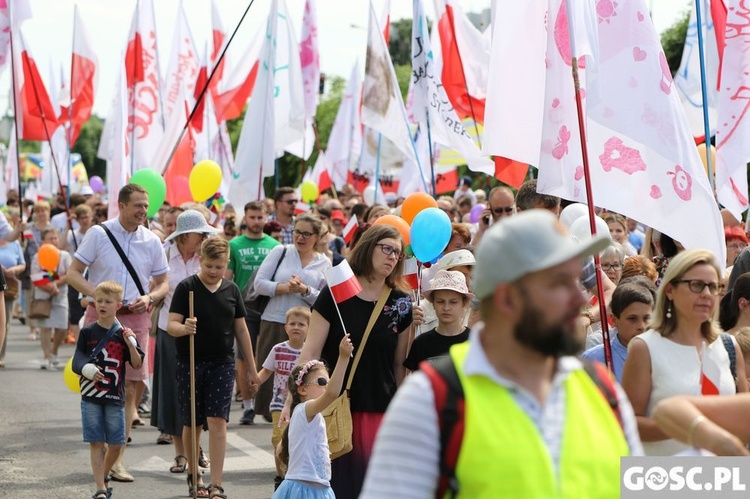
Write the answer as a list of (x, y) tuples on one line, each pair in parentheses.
[(430, 234)]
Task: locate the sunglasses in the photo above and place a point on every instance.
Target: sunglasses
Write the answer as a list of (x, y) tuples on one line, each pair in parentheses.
[(697, 286), (506, 209), (290, 201), (317, 381), (389, 250)]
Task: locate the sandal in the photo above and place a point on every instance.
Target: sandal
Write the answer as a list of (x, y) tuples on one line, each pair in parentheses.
[(203, 461), (177, 467), (100, 494), (200, 489), (220, 494)]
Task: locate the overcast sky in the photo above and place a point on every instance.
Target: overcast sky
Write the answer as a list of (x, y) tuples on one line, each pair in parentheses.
[(341, 24)]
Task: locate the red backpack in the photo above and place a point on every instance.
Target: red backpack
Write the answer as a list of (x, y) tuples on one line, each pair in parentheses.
[(450, 406)]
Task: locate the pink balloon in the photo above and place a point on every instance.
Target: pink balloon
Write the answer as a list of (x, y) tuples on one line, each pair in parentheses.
[(475, 213)]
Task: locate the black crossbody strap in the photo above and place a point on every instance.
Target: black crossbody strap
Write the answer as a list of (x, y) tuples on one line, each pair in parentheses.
[(125, 260), (98, 348), (278, 264)]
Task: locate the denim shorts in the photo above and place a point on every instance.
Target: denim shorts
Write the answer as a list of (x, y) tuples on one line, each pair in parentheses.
[(103, 423)]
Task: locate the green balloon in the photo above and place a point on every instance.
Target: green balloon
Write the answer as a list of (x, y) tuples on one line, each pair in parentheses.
[(155, 187)]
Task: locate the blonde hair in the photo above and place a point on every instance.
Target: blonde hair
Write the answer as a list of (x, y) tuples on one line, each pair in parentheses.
[(214, 248), (109, 288), (41, 205), (301, 312), (678, 267)]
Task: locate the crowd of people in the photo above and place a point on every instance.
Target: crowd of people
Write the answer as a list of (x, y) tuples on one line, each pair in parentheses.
[(460, 386)]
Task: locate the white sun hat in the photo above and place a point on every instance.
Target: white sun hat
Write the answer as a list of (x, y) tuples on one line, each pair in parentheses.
[(191, 221)]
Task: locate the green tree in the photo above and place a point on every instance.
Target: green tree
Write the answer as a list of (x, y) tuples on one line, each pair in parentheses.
[(87, 145), (399, 44), (673, 41)]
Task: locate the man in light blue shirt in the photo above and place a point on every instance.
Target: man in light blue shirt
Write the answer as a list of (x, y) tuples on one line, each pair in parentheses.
[(632, 305)]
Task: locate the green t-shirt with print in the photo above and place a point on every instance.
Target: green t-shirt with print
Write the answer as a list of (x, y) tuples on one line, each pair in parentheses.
[(246, 255)]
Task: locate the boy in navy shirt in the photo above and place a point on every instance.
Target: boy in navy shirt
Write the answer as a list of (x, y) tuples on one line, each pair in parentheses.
[(101, 352)]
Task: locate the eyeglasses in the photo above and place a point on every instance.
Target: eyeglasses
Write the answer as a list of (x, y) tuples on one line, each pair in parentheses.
[(697, 286), (610, 266), (303, 235), (389, 250), (318, 381), (506, 209), (290, 201), (737, 246)]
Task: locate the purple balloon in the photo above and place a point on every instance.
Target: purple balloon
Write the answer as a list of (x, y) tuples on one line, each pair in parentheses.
[(475, 213), (96, 183)]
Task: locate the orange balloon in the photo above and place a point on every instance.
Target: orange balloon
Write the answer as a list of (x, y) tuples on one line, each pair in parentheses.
[(399, 224), (415, 203), (49, 257)]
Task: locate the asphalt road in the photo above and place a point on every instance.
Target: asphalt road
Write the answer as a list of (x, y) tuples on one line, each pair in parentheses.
[(42, 453)]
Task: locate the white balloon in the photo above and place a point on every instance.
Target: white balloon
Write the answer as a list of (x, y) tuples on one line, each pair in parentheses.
[(582, 230), (573, 212), (369, 195)]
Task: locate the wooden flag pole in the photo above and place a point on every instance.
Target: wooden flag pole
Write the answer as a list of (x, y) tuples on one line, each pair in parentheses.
[(193, 429), (589, 195)]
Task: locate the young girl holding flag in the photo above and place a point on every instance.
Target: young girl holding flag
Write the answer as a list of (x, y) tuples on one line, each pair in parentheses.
[(304, 445)]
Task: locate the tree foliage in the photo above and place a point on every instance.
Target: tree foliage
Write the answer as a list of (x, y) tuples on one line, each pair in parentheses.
[(673, 41), (87, 145)]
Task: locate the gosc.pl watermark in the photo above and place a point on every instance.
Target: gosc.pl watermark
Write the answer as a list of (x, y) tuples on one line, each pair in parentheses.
[(684, 477)]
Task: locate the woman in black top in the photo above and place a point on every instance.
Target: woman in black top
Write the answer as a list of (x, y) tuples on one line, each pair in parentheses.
[(377, 261)]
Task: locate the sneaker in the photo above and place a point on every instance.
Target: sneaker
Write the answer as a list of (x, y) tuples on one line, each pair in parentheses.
[(143, 408), (46, 364), (248, 417), (55, 361)]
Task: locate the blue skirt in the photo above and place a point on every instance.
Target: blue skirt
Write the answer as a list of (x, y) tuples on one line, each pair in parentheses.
[(293, 489)]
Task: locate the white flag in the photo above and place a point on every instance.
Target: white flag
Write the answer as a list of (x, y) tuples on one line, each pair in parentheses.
[(431, 101), (255, 156), (732, 144), (382, 105), (345, 141), (643, 159)]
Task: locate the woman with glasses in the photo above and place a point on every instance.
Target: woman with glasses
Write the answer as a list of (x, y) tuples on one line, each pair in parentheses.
[(377, 261), (683, 353), (292, 276), (611, 262)]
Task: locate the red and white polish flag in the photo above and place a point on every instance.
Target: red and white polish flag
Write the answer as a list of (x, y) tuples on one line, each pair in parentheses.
[(710, 374), (342, 282), (350, 229), (301, 207), (41, 278), (411, 273)]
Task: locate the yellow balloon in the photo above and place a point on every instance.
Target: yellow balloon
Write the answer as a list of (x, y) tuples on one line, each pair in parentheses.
[(71, 378), (205, 180), (309, 191), (704, 158)]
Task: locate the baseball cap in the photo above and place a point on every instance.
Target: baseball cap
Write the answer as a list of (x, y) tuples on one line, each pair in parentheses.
[(338, 215), (531, 241)]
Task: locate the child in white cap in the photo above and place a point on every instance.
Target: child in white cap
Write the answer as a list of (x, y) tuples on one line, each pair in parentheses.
[(450, 298)]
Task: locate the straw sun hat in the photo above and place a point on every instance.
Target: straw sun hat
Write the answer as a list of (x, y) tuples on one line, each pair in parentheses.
[(450, 280), (191, 221)]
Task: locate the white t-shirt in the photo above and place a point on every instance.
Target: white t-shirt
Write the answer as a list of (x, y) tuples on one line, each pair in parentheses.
[(280, 361), (309, 456)]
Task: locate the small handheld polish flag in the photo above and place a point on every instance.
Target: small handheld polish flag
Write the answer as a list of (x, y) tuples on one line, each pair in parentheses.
[(342, 282), (411, 273), (350, 229)]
